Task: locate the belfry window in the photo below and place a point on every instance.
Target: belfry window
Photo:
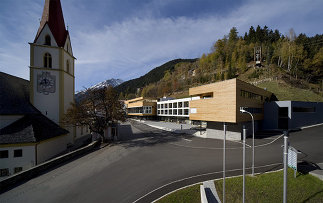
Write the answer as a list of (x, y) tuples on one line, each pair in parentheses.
[(68, 66), (47, 40), (47, 60)]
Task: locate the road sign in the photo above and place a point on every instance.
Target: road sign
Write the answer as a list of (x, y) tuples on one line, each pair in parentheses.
[(292, 158)]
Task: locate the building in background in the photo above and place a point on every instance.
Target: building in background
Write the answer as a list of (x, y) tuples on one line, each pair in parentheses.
[(174, 110), (220, 103), (281, 115), (141, 108)]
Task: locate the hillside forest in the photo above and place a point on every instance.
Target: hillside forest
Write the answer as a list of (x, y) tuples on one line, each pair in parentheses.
[(296, 60)]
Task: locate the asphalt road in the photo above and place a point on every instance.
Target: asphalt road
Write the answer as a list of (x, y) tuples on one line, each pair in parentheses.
[(148, 163)]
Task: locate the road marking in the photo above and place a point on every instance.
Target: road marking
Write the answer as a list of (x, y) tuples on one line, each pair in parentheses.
[(310, 126), (232, 170), (187, 140), (211, 180), (220, 148)]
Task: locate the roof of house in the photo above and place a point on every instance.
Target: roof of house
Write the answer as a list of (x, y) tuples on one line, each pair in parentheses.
[(29, 129), (14, 96), (53, 16)]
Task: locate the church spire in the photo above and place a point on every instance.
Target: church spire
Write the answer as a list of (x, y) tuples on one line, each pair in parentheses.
[(53, 16)]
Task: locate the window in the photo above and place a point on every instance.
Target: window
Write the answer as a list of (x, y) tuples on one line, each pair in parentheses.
[(174, 105), (180, 104), (47, 60), (186, 104), (4, 154), (17, 169), (17, 153), (158, 112), (162, 106), (170, 105), (175, 112), (180, 112), (166, 112), (158, 106), (47, 40), (162, 111), (250, 95), (4, 172), (170, 112), (304, 109), (185, 111), (68, 66), (166, 106)]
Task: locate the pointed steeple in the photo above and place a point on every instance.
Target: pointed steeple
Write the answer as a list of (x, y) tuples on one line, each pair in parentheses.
[(53, 16)]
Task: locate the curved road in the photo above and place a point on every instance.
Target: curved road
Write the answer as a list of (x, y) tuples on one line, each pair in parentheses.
[(148, 163)]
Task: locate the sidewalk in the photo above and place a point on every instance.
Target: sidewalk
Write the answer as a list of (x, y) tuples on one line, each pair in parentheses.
[(318, 172)]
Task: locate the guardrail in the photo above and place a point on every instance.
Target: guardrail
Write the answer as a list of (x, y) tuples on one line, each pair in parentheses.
[(28, 174)]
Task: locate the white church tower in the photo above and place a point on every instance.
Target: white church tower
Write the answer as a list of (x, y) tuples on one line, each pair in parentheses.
[(52, 65)]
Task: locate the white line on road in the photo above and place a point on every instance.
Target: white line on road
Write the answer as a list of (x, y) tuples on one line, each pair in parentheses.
[(187, 140), (232, 170)]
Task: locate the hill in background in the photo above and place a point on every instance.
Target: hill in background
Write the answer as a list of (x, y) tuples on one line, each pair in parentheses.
[(291, 67)]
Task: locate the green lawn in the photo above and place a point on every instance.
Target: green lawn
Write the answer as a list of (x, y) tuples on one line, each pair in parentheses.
[(262, 188), (286, 92)]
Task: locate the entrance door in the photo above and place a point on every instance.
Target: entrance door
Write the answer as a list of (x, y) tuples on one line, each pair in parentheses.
[(283, 118)]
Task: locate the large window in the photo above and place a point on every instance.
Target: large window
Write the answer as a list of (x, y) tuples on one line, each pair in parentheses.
[(175, 105), (47, 60), (185, 111), (17, 153), (304, 109), (250, 95), (170, 105), (186, 104), (4, 154)]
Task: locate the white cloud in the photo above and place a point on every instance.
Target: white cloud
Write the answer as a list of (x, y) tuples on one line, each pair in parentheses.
[(130, 48)]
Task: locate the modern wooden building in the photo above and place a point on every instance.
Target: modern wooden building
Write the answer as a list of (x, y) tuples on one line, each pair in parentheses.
[(221, 101), (141, 107)]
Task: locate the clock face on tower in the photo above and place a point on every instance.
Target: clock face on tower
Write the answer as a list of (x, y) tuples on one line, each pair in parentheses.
[(46, 83)]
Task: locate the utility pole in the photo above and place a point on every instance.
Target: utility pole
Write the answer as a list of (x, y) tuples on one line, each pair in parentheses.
[(224, 138), (285, 165), (244, 164)]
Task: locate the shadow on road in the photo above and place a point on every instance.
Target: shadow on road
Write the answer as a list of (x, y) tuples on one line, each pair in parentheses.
[(136, 134)]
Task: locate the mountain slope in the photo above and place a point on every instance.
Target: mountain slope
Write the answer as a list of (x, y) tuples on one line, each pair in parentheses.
[(152, 76)]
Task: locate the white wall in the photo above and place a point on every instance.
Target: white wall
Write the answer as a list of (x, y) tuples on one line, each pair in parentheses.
[(39, 53), (26, 161), (50, 102), (50, 148), (6, 120), (177, 101), (41, 38)]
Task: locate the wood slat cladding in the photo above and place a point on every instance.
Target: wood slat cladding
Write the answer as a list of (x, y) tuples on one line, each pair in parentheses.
[(221, 101), (140, 102)]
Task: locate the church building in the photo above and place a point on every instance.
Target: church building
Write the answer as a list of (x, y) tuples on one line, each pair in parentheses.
[(31, 112)]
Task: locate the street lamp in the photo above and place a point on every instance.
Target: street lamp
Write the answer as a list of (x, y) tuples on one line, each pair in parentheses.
[(242, 110)]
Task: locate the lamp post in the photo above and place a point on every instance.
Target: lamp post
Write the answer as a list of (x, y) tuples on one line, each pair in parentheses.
[(242, 110)]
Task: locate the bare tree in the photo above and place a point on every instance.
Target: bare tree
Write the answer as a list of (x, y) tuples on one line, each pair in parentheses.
[(97, 109)]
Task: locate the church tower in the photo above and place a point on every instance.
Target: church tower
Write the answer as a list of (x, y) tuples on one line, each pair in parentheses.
[(52, 64)]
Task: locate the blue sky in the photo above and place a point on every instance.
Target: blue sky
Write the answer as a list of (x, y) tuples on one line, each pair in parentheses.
[(127, 38)]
